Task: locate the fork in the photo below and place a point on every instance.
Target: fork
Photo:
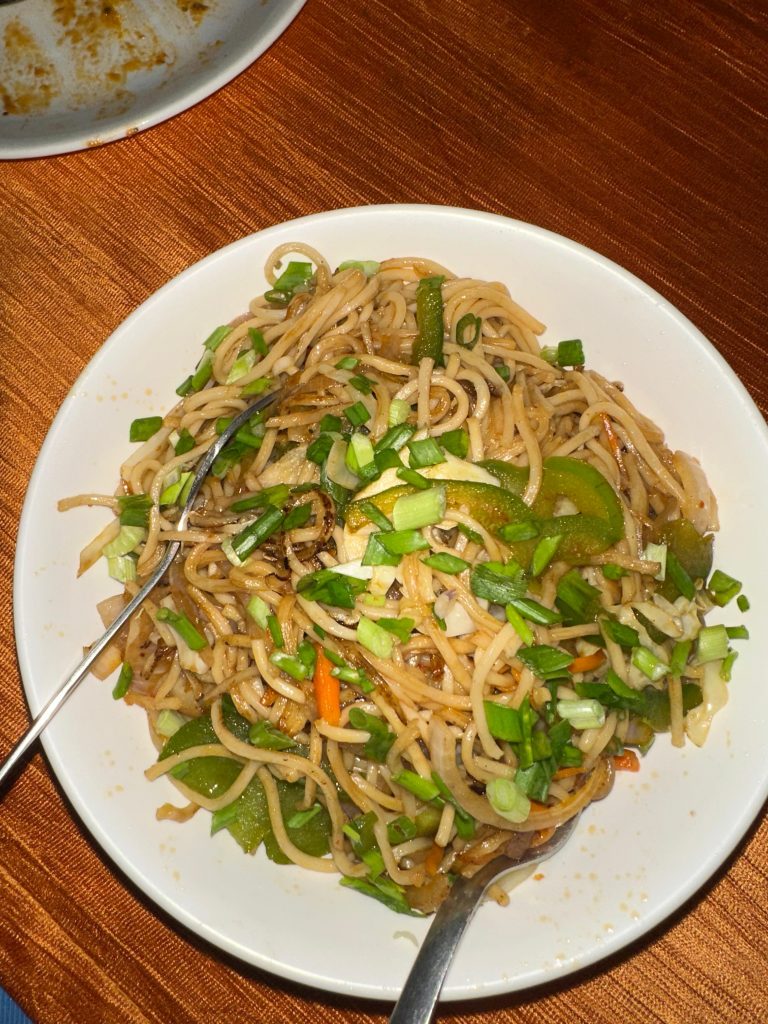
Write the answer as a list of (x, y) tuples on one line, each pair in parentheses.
[(71, 683), (421, 991)]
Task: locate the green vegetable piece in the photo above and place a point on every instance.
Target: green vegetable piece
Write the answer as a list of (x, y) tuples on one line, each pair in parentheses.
[(429, 321), (692, 550)]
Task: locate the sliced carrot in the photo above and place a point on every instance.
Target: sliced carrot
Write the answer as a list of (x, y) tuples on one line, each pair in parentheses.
[(566, 773), (626, 762), (327, 689), (587, 663)]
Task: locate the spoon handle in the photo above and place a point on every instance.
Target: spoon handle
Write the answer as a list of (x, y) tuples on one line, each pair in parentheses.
[(421, 991)]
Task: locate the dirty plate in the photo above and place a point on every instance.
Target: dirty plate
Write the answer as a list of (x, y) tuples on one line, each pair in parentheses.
[(635, 857), (79, 73)]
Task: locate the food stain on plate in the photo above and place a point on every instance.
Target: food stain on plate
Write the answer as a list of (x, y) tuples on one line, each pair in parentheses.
[(74, 54)]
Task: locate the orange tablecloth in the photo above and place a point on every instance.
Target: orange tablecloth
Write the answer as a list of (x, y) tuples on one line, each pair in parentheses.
[(637, 128)]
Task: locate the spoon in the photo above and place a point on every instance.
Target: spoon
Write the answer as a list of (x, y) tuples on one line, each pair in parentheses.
[(70, 684), (421, 991)]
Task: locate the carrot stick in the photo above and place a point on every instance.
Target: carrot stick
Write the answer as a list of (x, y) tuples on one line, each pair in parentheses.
[(626, 762), (434, 859), (613, 442), (566, 773), (327, 689), (588, 663)]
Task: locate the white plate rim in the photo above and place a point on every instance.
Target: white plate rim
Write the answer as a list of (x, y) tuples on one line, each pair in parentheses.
[(125, 125), (707, 866)]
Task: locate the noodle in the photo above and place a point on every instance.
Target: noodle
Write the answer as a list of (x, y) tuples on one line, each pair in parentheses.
[(421, 608)]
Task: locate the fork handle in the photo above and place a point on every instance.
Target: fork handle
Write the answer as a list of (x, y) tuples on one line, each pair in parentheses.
[(421, 991)]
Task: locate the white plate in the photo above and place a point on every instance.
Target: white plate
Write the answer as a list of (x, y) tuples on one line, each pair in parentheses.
[(636, 857), (80, 73)]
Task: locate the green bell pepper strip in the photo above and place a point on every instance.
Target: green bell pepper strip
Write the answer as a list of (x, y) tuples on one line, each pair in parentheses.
[(568, 478), (692, 550), (493, 507), (429, 320), (247, 817)]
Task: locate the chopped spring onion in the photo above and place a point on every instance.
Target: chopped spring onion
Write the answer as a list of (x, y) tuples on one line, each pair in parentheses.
[(679, 659), (402, 542), (396, 437), (503, 371), (169, 722), (445, 562), (468, 330), (347, 363), (507, 800), (401, 628), (265, 735), (232, 557), (359, 455), (743, 602), (657, 553), (578, 600), (582, 714), (424, 453), (134, 509), (368, 267), (256, 387), (216, 337), (330, 588), (330, 424), (727, 666), (181, 624), (124, 680), (410, 476), (176, 493), (611, 571), (723, 588), (122, 568), (318, 450), (276, 495), (518, 623), (469, 533), (543, 553), (456, 442), (184, 443), (651, 666), (535, 612), (257, 341), (290, 664), (399, 411), (712, 644), (376, 554), (197, 380), (380, 737), (505, 723), (295, 275), (145, 427), (413, 511), (375, 639), (252, 536), (679, 576), (357, 414), (374, 600), (514, 532), (241, 366), (258, 609), (570, 353), (423, 789), (376, 516), (300, 818), (273, 625), (737, 632), (624, 636), (361, 383), (546, 662), (498, 583), (298, 516), (126, 541)]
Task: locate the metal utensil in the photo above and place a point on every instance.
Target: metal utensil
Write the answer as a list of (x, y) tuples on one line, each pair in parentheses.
[(69, 685), (421, 991)]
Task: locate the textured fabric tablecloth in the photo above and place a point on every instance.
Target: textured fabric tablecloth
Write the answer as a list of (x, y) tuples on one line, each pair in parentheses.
[(636, 128)]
